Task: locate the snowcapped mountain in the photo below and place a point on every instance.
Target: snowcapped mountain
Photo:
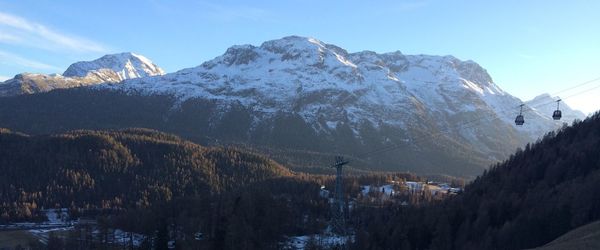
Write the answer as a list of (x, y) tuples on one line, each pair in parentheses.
[(298, 98), (546, 104), (304, 75), (327, 86), (115, 68), (109, 68)]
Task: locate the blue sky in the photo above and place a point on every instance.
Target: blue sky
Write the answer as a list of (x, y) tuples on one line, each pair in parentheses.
[(528, 47)]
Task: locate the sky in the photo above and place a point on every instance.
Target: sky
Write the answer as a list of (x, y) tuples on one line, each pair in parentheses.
[(528, 47)]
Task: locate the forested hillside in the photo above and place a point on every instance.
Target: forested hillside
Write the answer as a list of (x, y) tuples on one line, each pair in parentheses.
[(286, 137), (153, 184), (149, 182), (115, 170), (538, 194)]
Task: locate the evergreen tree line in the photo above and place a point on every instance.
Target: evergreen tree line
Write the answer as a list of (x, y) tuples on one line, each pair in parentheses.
[(116, 170), (538, 194), (156, 184)]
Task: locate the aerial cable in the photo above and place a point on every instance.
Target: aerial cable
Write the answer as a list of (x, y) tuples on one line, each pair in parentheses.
[(474, 121)]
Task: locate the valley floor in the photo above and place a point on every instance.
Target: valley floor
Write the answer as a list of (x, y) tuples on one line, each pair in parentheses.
[(59, 225)]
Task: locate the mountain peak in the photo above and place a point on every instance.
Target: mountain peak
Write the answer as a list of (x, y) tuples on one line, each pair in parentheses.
[(115, 67), (299, 44), (545, 103), (295, 40), (294, 51), (544, 96)]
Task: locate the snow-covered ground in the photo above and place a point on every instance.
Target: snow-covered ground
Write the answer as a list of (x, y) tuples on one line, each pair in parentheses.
[(322, 240), (44, 234), (57, 216), (412, 186), (59, 220), (386, 189), (123, 237)]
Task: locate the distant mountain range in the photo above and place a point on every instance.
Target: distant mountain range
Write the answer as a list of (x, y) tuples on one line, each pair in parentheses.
[(299, 100), (109, 68)]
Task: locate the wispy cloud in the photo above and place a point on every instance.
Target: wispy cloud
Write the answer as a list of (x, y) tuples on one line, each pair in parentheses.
[(20, 31), (12, 59), (8, 38)]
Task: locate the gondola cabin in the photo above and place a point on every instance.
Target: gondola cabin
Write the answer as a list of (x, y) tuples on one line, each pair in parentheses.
[(519, 120), (557, 115)]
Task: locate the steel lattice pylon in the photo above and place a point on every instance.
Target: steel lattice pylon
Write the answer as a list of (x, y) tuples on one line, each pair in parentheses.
[(338, 220)]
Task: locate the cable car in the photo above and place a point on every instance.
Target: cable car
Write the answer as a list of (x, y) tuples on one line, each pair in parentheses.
[(520, 120), (557, 113)]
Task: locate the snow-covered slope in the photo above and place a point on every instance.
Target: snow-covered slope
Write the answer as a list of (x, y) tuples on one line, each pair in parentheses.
[(27, 83), (115, 67), (109, 68), (328, 86), (546, 105)]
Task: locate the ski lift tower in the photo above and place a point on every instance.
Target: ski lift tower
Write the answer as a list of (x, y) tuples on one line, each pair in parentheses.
[(338, 221)]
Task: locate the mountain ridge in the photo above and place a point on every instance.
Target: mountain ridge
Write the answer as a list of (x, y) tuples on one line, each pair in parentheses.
[(282, 74), (348, 103), (547, 104), (109, 68)]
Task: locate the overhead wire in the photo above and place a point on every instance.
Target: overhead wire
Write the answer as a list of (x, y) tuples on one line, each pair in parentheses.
[(474, 121)]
